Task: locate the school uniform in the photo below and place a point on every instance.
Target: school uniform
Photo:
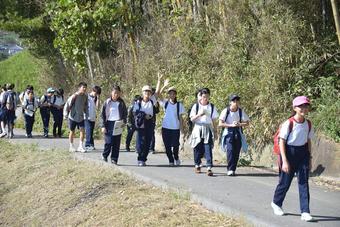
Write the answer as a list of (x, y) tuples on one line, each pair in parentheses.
[(202, 136), (131, 128), (29, 107), (171, 128), (45, 112), (112, 111), (231, 143), (153, 140), (146, 130), (57, 113), (298, 156), (9, 97), (90, 121)]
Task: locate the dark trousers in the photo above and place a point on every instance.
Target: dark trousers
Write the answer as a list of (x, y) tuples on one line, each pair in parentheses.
[(233, 145), (152, 142), (130, 131), (298, 159), (171, 143), (29, 121), (205, 150), (57, 121), (112, 143), (45, 116), (144, 136), (89, 128)]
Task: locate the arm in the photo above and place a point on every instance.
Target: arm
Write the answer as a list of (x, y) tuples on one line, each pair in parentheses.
[(310, 153), (102, 119), (285, 163)]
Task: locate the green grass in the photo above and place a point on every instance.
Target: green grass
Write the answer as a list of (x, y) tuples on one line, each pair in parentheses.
[(23, 69), (50, 188)]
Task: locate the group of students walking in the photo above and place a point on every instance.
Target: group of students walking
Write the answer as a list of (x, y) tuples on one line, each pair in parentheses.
[(80, 111)]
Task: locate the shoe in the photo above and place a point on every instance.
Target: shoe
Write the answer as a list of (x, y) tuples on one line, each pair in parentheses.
[(127, 148), (89, 148), (209, 173), (197, 169), (152, 151), (114, 162), (171, 164), (278, 210), (81, 149), (72, 149), (2, 135), (177, 162), (45, 135), (230, 173), (140, 163), (306, 217), (29, 136), (104, 159)]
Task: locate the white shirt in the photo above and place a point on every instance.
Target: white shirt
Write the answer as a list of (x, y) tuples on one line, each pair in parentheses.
[(206, 118), (146, 107), (233, 116), (91, 108), (59, 101), (113, 112), (299, 135), (30, 106), (170, 120)]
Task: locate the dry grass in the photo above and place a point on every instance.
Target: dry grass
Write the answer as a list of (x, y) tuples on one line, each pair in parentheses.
[(49, 188)]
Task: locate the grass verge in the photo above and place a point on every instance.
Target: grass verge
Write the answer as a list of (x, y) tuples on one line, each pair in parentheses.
[(50, 188)]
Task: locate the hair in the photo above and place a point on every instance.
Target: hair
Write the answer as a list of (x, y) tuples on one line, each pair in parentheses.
[(10, 86), (30, 92), (136, 98), (116, 87), (204, 91), (82, 84), (29, 87), (153, 90), (60, 92), (97, 89)]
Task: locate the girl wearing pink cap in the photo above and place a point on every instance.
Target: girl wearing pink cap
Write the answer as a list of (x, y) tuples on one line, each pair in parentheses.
[(295, 154)]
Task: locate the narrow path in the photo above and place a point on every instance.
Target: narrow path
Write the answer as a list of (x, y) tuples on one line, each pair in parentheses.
[(248, 194)]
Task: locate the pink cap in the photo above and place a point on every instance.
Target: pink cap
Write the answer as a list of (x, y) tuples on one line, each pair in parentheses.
[(300, 100)]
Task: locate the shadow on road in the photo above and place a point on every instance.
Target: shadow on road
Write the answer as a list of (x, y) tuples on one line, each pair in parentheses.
[(318, 218)]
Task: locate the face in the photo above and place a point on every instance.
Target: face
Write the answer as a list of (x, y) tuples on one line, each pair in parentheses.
[(82, 89), (235, 103), (115, 94), (147, 94), (302, 110), (204, 99), (30, 95), (172, 95), (50, 94)]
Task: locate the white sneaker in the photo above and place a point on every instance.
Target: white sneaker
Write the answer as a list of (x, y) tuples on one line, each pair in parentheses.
[(140, 163), (177, 162), (306, 217), (89, 148), (230, 173), (171, 164), (72, 149), (277, 210), (3, 134), (81, 149)]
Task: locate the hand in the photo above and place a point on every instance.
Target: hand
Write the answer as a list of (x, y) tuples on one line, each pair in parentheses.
[(166, 83), (104, 130), (285, 167), (236, 124), (160, 76)]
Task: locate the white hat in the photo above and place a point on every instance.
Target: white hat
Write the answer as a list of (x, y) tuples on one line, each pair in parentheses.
[(147, 88), (172, 89)]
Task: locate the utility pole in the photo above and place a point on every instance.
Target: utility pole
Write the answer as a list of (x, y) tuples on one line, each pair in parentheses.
[(336, 18)]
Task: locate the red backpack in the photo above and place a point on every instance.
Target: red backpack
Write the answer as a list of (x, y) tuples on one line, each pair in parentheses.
[(276, 148)]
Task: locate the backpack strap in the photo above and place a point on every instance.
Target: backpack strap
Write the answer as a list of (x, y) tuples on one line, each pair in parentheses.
[(290, 128), (309, 125), (227, 114), (54, 99), (212, 110), (166, 105), (178, 106), (197, 106)]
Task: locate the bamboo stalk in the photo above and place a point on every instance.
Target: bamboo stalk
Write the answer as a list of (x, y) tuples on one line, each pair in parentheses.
[(336, 18)]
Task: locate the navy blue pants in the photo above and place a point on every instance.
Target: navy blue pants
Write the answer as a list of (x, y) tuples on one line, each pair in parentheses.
[(298, 158), (10, 117), (233, 146), (130, 131), (89, 128), (144, 136), (57, 120), (205, 150), (45, 116), (29, 121), (153, 141), (112, 143), (171, 143)]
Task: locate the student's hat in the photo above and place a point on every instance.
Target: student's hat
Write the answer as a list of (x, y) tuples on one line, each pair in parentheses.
[(233, 97), (147, 88), (172, 89), (300, 100), (50, 90)]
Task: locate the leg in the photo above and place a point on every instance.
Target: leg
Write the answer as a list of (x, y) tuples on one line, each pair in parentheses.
[(152, 139), (92, 124), (282, 188), (55, 120), (88, 133), (27, 122), (130, 132), (303, 175), (115, 147), (81, 132), (140, 143), (208, 155), (236, 152), (175, 143), (198, 150), (167, 144), (107, 145), (149, 131)]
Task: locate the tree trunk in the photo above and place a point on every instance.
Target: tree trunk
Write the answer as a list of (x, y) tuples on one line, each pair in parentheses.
[(336, 18), (89, 65)]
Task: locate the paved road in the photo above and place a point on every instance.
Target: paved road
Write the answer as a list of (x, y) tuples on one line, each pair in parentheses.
[(248, 194)]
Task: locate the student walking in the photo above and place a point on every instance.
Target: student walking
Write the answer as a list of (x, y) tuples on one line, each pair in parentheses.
[(57, 112), (171, 125), (9, 104), (30, 106), (232, 119), (90, 121), (131, 128), (144, 111), (113, 113), (75, 110), (203, 114), (46, 102), (2, 111), (295, 155)]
